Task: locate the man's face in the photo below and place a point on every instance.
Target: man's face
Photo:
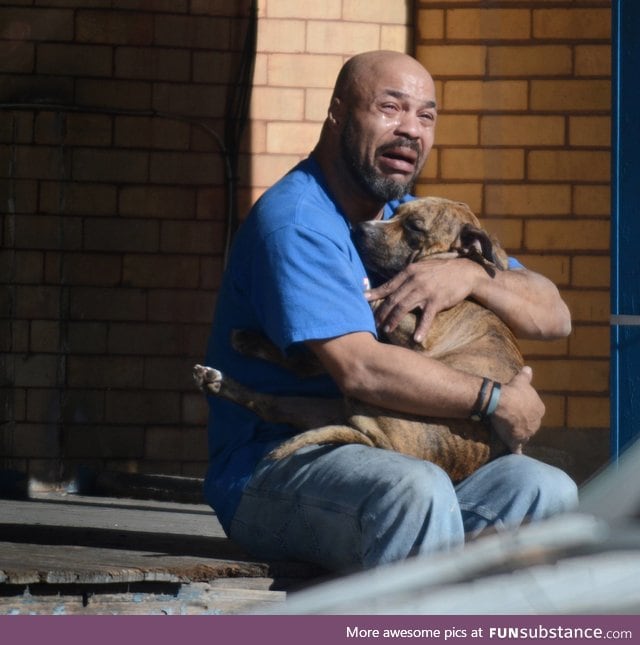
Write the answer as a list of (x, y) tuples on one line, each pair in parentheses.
[(388, 133)]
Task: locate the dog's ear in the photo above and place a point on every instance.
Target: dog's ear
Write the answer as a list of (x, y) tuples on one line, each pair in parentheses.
[(476, 244)]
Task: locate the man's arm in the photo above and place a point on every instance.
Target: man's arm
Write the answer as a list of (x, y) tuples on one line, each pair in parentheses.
[(526, 301), (406, 381)]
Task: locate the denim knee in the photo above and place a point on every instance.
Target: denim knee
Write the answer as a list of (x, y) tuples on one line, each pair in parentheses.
[(513, 489), (413, 509)]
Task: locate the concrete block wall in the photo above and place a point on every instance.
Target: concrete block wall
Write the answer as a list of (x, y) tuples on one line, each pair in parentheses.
[(524, 138)]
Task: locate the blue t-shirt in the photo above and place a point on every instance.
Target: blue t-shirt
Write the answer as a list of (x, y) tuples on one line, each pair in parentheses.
[(294, 275)]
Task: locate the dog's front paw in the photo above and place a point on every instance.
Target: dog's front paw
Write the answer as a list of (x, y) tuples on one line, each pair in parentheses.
[(207, 378)]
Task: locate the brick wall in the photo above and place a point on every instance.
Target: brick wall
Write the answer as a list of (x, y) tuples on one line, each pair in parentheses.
[(524, 138), (114, 222), (113, 228)]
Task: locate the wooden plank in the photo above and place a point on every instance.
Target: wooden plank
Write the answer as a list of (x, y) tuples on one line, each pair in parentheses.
[(70, 539), (195, 598)]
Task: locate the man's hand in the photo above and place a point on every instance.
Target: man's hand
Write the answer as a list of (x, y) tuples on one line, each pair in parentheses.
[(429, 286), (526, 301), (519, 412)]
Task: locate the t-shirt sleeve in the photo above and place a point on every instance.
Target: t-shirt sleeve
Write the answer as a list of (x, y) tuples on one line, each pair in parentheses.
[(308, 286)]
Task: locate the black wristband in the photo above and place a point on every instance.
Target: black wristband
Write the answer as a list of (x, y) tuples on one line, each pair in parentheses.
[(478, 406)]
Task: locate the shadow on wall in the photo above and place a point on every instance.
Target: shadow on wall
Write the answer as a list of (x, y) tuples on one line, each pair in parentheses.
[(120, 202)]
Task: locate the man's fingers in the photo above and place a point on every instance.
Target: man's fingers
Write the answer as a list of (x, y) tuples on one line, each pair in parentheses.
[(424, 323)]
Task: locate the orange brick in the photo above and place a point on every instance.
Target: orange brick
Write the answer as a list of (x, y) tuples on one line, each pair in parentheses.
[(457, 130), (508, 231), (278, 104), (144, 132), (453, 60), (588, 305), (142, 407), (578, 24), (134, 95), (303, 70), (153, 63), (592, 200), (121, 235), (430, 24), (580, 375), (593, 60), (554, 267), (590, 340), (590, 271), (157, 201), (588, 412), (571, 95), (74, 60), (216, 67), (47, 232), (95, 304), (96, 269), (466, 192), (38, 24), (485, 95), (568, 165), (73, 129), (180, 305), (193, 32), (189, 99), (539, 60), (183, 168), (543, 348), (17, 57), (396, 38), (555, 407), (169, 271), (267, 169), (114, 27), (327, 10), (522, 130), (316, 104), (282, 35), (573, 234), (104, 371), (292, 138), (592, 131), (119, 443), (341, 37), (110, 165), (194, 237), (381, 11), (488, 24), (473, 163), (528, 199)]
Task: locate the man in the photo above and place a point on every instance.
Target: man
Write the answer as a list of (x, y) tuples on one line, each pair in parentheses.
[(295, 275)]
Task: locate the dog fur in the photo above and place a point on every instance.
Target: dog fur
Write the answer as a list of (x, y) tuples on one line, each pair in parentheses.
[(467, 337)]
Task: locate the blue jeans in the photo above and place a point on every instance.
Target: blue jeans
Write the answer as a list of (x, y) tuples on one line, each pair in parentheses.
[(351, 507)]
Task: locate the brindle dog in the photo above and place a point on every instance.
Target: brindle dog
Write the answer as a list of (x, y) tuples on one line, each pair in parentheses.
[(467, 337)]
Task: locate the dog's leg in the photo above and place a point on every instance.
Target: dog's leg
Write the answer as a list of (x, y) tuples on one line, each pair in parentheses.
[(301, 412)]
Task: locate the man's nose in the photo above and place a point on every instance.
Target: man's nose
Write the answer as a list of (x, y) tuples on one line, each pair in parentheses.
[(408, 125)]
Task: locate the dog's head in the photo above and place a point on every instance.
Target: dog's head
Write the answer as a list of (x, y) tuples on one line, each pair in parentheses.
[(422, 228)]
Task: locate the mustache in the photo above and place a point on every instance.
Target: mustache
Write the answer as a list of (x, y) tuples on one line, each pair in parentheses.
[(400, 142)]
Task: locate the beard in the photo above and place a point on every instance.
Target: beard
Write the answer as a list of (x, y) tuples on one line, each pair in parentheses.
[(366, 175)]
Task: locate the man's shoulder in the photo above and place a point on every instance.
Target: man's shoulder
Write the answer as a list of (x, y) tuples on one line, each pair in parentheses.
[(299, 199)]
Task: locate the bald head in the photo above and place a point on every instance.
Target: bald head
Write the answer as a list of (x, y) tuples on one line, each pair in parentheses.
[(360, 72)]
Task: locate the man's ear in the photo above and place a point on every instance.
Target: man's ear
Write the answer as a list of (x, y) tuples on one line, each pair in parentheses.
[(336, 110)]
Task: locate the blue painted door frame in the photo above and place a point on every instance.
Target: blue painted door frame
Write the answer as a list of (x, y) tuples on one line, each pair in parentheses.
[(625, 228)]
